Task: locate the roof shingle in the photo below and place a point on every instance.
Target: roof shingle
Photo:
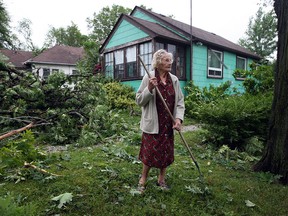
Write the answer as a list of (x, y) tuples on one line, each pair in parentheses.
[(60, 54)]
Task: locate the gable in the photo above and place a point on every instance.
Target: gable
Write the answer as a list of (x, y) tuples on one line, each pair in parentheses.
[(141, 15), (125, 32), (144, 16)]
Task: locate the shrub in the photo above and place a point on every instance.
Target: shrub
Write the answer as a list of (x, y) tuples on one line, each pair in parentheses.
[(233, 120), (196, 97), (120, 96), (258, 80)]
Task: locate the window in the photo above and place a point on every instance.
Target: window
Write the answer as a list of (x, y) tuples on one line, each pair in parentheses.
[(178, 67), (123, 63), (119, 64), (180, 62), (145, 52), (159, 46), (131, 66), (46, 73), (240, 67), (75, 72), (55, 70), (109, 66), (215, 59)]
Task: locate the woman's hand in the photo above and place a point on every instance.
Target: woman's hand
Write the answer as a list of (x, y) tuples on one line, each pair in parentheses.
[(177, 124), (152, 83)]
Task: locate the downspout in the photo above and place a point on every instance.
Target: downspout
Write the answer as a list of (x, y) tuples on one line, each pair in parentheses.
[(191, 44)]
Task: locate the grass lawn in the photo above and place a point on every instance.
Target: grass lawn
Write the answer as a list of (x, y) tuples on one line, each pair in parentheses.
[(101, 180)]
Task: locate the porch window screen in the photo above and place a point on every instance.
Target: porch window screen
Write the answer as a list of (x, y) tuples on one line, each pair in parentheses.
[(180, 63), (178, 66), (109, 66), (131, 69), (172, 49), (119, 64), (214, 63), (145, 52)]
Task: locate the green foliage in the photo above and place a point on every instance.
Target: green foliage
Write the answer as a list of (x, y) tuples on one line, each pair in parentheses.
[(120, 96), (103, 22), (91, 58), (59, 106), (103, 181), (103, 123), (16, 152), (259, 79), (71, 36), (5, 40), (10, 207), (235, 119), (197, 97), (261, 35)]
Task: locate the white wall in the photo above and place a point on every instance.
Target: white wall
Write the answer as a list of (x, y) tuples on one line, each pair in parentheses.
[(66, 69)]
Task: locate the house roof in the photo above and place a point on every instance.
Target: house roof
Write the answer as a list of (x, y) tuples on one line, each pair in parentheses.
[(17, 57), (166, 27), (59, 54), (199, 34), (156, 29)]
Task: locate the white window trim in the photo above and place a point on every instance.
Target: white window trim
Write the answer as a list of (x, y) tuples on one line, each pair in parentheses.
[(213, 68)]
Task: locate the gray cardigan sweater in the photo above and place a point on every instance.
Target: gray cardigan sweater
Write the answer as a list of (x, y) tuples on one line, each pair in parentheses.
[(149, 118)]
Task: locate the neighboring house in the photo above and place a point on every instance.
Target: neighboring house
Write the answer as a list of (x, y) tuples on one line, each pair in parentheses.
[(214, 58), (17, 58), (58, 58)]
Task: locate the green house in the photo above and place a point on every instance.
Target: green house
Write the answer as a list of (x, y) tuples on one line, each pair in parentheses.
[(212, 59)]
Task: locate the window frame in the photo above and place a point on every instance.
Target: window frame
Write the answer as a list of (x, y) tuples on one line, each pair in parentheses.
[(177, 67), (237, 68), (109, 64), (145, 50), (212, 52), (46, 70)]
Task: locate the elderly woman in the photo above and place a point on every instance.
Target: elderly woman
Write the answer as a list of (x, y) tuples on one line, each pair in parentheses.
[(157, 147)]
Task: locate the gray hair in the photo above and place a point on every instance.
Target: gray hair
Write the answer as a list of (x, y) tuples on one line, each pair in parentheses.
[(157, 57)]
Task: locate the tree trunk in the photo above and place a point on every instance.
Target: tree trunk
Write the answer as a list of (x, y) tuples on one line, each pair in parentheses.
[(275, 157)]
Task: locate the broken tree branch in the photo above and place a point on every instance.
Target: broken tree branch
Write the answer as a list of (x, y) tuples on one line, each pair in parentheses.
[(11, 133), (29, 165)]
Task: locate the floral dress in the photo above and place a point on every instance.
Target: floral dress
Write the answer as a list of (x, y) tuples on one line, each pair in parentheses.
[(157, 150)]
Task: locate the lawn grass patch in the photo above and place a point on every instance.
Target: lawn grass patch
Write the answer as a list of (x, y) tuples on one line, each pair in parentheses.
[(102, 180)]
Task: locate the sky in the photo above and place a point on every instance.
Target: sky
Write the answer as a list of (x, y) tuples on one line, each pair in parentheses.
[(227, 18)]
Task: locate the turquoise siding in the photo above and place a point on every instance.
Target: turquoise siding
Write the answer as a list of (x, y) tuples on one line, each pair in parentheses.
[(200, 69), (143, 16), (126, 32), (133, 83), (136, 83)]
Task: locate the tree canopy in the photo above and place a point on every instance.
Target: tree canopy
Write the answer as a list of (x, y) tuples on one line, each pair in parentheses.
[(5, 41), (261, 35), (70, 36), (103, 22)]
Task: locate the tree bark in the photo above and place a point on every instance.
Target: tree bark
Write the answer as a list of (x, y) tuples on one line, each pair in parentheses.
[(275, 157)]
